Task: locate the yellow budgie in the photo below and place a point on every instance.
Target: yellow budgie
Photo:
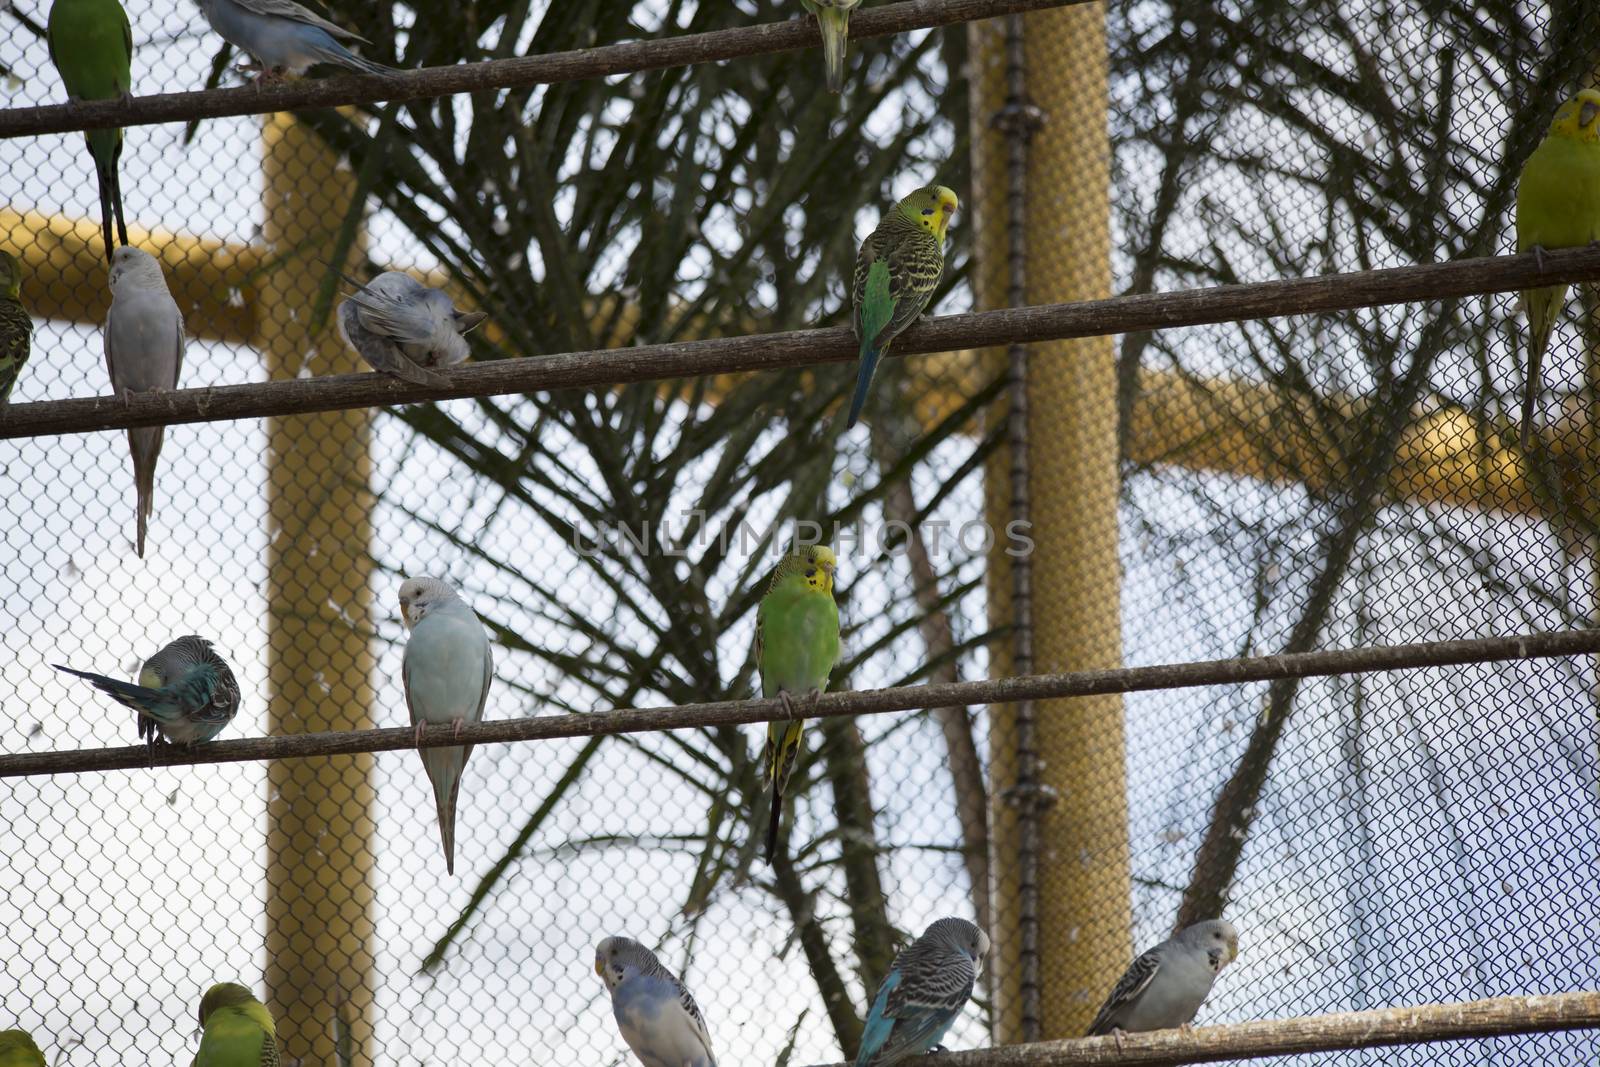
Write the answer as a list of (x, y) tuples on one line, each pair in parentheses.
[(1558, 206)]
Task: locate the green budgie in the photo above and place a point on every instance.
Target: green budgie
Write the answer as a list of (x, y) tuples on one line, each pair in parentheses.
[(18, 1050), (91, 45), (16, 329), (1558, 206), (833, 19), (239, 1031), (797, 644), (896, 271)]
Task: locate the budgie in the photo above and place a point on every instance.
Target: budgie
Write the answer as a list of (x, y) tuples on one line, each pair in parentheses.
[(285, 37), (1558, 206), (658, 1018), (16, 329), (91, 45), (402, 327), (924, 991), (833, 19), (896, 271), (1165, 986), (186, 693), (239, 1031), (144, 350), (797, 645), (17, 1049), (447, 669)]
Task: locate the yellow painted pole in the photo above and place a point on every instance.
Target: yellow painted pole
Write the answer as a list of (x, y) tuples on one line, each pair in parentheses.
[(319, 504), (1072, 480)]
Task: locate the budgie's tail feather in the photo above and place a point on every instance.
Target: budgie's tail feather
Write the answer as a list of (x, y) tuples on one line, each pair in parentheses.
[(835, 26), (444, 767), (1541, 306), (138, 697), (772, 824), (145, 444), (869, 364), (105, 146), (350, 61)]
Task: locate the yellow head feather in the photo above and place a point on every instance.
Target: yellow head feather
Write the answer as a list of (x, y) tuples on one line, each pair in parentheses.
[(813, 564), (1579, 118), (931, 208), (233, 995)]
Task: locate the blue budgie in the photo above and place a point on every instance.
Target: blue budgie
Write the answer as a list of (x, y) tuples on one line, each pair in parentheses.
[(925, 990), (402, 327), (658, 1018), (1165, 986), (186, 693), (447, 668), (144, 351), (285, 37)]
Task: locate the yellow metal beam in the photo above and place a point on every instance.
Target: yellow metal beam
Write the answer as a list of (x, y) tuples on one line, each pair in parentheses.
[(320, 953)]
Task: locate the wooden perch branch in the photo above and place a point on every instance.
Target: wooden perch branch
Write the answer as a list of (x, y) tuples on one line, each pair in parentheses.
[(868, 702), (951, 333), (1315, 1033), (604, 61)]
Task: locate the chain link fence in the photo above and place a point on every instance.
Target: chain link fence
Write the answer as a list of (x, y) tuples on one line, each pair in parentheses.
[(1298, 483)]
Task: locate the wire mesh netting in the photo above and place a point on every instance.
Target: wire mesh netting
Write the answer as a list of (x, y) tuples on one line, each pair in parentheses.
[(1296, 483)]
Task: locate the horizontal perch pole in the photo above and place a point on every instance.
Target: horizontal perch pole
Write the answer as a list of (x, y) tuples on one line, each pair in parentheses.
[(868, 702), (1417, 1025), (519, 72), (773, 351)]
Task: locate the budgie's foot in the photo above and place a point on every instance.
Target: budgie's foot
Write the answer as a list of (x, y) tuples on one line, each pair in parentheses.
[(1186, 1028), (788, 704), (1116, 1034), (1538, 258), (420, 727), (456, 724), (937, 1049), (812, 696)]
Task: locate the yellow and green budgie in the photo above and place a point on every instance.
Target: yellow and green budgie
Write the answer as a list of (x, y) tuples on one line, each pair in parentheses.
[(91, 45), (239, 1031), (797, 644), (1558, 206), (896, 272), (833, 19), (16, 329), (18, 1050)]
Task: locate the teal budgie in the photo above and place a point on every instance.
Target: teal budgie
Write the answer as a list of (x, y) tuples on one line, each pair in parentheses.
[(1165, 986), (91, 45), (833, 19), (16, 329), (17, 1049), (797, 645), (239, 1031), (655, 1012), (896, 272), (144, 347), (925, 989), (186, 693), (447, 668), (1558, 206)]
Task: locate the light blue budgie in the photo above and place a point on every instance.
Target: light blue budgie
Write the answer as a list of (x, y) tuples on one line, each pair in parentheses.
[(402, 327), (186, 693), (144, 351), (447, 669), (925, 990), (658, 1018), (285, 37), (1165, 986)]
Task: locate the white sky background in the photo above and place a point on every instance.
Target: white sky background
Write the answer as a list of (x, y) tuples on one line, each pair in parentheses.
[(140, 888)]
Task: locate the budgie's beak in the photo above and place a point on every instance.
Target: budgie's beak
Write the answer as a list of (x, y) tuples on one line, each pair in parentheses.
[(599, 966), (1587, 113), (405, 613)]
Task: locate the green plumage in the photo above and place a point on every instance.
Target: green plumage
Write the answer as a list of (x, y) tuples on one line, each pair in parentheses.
[(833, 19), (17, 1049), (239, 1031), (1558, 206), (91, 45), (797, 645), (16, 329), (897, 270)]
